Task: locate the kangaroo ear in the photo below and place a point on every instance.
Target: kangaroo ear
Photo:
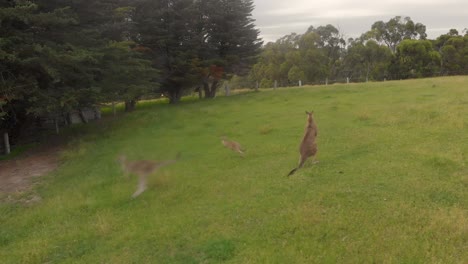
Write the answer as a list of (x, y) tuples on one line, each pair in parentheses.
[(307, 112)]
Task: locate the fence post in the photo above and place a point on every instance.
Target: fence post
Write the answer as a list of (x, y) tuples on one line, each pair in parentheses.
[(276, 84), (6, 140), (347, 79), (256, 86), (300, 83), (326, 81)]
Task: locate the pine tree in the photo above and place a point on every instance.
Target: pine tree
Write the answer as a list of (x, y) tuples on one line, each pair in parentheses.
[(166, 29), (228, 38)]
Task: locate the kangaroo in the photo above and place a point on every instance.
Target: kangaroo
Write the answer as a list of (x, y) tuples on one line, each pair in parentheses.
[(234, 146), (142, 168), (308, 147)]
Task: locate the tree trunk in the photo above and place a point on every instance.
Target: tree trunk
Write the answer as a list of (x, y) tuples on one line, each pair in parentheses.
[(130, 105), (206, 88), (199, 91), (210, 90), (175, 96)]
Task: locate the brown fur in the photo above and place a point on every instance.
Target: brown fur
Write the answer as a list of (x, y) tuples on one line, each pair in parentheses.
[(233, 145), (142, 168), (308, 147)]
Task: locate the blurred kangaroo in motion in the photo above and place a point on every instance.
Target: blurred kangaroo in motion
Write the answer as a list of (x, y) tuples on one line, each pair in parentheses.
[(308, 147), (233, 145), (142, 168)]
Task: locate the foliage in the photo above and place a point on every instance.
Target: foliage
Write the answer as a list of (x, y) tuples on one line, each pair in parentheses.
[(453, 49), (396, 49), (310, 57), (415, 58), (167, 29), (228, 39), (125, 75), (395, 30), (366, 60)]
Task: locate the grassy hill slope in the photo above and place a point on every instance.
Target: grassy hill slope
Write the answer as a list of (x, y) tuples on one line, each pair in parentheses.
[(391, 185)]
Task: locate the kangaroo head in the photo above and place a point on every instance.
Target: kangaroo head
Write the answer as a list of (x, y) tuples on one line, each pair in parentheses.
[(310, 119)]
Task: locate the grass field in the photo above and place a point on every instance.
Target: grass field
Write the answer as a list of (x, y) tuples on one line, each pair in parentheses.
[(391, 185)]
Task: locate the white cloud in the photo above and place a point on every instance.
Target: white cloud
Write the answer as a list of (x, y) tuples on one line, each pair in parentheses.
[(276, 18)]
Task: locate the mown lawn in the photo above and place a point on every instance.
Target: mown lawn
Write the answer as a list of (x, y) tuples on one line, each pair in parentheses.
[(391, 185)]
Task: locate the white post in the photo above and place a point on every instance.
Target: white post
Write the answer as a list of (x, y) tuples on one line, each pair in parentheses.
[(276, 84), (300, 83), (347, 79), (256, 86), (384, 79), (326, 81), (7, 143)]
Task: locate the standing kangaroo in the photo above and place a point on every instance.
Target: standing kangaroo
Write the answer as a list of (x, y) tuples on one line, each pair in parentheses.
[(308, 147), (142, 168), (233, 145)]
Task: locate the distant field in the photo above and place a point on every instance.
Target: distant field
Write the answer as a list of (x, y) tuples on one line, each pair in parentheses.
[(391, 185)]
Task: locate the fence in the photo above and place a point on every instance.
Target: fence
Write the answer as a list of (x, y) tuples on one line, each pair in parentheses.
[(344, 79)]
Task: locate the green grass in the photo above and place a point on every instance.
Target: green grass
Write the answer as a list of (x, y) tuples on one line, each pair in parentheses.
[(391, 185)]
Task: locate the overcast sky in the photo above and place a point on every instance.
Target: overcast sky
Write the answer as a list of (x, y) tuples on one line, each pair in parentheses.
[(276, 18)]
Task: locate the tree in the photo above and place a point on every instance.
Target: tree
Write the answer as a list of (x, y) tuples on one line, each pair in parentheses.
[(414, 59), (395, 30), (332, 44), (453, 49), (318, 57), (167, 29), (40, 72), (54, 56), (295, 74), (272, 63), (228, 40), (366, 60), (125, 75)]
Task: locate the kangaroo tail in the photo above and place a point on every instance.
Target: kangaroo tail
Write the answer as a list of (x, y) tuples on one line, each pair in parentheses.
[(301, 163), (293, 171)]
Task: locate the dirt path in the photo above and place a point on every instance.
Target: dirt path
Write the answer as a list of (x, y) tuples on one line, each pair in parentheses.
[(16, 175)]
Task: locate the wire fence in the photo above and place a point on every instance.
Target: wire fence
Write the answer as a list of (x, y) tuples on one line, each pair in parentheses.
[(338, 80)]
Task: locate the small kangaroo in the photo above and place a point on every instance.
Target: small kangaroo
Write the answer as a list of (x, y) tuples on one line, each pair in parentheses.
[(142, 168), (308, 147), (233, 145)]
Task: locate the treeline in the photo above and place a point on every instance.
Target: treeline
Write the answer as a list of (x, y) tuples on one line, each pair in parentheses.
[(392, 50), (58, 56)]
